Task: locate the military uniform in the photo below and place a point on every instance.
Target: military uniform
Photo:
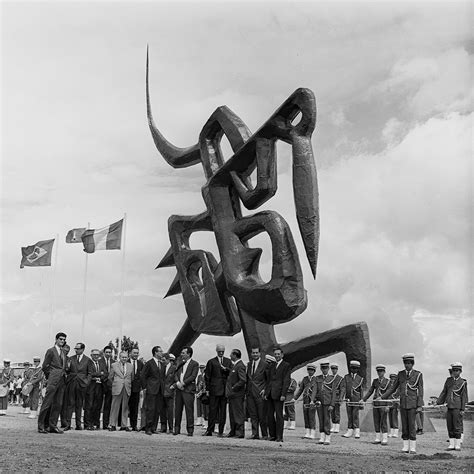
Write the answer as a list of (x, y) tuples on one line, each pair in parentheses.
[(352, 392), (380, 409), (410, 382), (393, 410), (336, 413), (454, 394), (36, 379), (6, 376), (289, 415), (324, 393), (306, 388)]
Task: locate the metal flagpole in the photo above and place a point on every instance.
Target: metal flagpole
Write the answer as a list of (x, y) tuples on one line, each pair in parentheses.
[(84, 296), (53, 287), (124, 232)]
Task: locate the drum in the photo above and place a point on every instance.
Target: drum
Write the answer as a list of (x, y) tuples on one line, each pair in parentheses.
[(27, 388), (3, 390)]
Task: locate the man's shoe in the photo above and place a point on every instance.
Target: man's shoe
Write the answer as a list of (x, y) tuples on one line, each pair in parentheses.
[(207, 433), (42, 431), (78, 428), (230, 435), (128, 429), (56, 430), (135, 429), (279, 440), (90, 428), (112, 428), (190, 434), (122, 428), (254, 437), (239, 437), (66, 428), (148, 432), (175, 433), (271, 438)]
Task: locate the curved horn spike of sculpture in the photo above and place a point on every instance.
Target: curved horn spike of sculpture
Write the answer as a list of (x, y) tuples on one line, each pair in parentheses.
[(174, 156)]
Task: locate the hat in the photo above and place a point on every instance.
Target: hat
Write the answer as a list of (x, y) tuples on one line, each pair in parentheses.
[(354, 363), (26, 363), (270, 358), (380, 367), (202, 366), (311, 366), (324, 363), (334, 366), (172, 357), (7, 361), (456, 365), (36, 358), (220, 347), (392, 376), (408, 356)]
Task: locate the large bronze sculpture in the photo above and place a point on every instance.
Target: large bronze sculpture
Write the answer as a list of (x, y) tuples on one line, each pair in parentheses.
[(226, 297)]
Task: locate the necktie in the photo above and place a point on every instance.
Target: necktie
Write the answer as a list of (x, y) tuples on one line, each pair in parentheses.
[(134, 367), (220, 358), (353, 376), (96, 366), (124, 369), (254, 367), (108, 365)]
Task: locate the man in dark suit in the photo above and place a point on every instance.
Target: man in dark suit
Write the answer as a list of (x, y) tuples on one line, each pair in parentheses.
[(108, 360), (152, 379), (167, 409), (95, 394), (278, 379), (54, 369), (79, 378), (185, 389), (134, 400), (216, 373), (255, 393), (235, 392)]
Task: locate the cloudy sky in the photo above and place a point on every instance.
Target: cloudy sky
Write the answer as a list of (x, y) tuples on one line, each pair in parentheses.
[(393, 146)]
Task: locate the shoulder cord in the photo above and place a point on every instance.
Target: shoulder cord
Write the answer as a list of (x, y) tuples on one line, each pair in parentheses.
[(412, 386)]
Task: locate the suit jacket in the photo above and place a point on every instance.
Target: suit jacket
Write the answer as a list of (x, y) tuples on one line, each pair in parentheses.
[(119, 380), (277, 380), (454, 393), (256, 382), (81, 372), (351, 388), (54, 367), (307, 386), (190, 375), (136, 379), (235, 385), (216, 377), (103, 362), (152, 377), (324, 390), (101, 375), (169, 373), (411, 389)]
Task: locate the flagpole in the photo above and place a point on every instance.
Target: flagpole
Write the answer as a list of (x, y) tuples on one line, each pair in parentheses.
[(84, 295), (124, 233), (53, 288)]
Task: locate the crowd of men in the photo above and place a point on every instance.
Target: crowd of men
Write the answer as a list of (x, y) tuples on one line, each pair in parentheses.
[(261, 390)]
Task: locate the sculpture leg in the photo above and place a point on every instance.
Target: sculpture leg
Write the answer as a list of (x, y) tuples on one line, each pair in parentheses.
[(257, 334)]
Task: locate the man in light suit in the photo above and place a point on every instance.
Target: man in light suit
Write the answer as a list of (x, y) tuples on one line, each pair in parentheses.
[(79, 378), (54, 369), (120, 376), (185, 389), (152, 379), (278, 379), (255, 393), (215, 375), (235, 392)]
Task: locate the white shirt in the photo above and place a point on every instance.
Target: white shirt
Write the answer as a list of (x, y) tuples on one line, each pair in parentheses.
[(255, 365), (185, 366), (79, 358), (59, 350), (278, 363)]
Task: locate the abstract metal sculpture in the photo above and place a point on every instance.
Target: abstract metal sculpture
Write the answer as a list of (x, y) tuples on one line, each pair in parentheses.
[(226, 297)]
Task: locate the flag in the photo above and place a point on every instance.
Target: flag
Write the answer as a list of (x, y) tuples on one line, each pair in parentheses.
[(37, 255), (108, 238), (74, 235)]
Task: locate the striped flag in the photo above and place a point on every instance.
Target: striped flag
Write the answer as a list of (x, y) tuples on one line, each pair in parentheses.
[(74, 235), (37, 255), (108, 238)]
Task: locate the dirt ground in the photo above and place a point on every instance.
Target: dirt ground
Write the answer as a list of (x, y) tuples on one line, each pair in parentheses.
[(23, 449)]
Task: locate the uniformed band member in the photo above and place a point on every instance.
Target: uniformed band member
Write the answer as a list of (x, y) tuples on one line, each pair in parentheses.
[(201, 408), (393, 410), (325, 394), (289, 415), (24, 383), (336, 413), (410, 382), (454, 394), (6, 376), (309, 410), (352, 394), (380, 409)]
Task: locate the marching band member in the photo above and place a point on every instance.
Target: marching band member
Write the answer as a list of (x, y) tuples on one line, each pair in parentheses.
[(336, 413), (454, 394), (380, 410), (352, 393), (6, 376), (393, 409), (289, 415), (410, 382), (306, 388), (325, 393)]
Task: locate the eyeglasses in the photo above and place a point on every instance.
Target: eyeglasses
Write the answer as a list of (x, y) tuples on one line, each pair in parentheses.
[(62, 338), (77, 348)]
